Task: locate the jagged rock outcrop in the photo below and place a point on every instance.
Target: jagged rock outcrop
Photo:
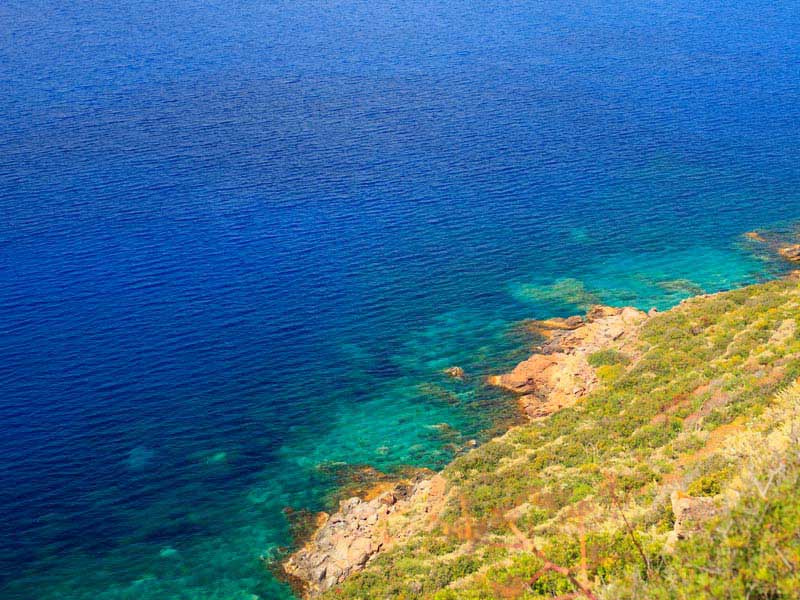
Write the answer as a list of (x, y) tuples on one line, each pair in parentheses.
[(360, 529), (560, 374), (344, 543), (791, 253)]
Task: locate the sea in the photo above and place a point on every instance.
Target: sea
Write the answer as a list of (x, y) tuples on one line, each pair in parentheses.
[(241, 240)]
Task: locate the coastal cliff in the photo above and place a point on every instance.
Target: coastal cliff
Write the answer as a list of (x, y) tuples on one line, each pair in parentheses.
[(651, 437)]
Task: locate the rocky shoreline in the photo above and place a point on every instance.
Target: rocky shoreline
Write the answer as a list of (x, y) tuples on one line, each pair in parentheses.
[(559, 374), (556, 376), (346, 541)]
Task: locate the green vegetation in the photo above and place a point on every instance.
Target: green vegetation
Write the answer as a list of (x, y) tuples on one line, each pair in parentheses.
[(579, 503), (608, 357), (751, 552)]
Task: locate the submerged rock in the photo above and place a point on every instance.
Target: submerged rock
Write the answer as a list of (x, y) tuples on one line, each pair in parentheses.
[(139, 458), (755, 236), (549, 328), (783, 242), (455, 373), (681, 286), (217, 458), (791, 253), (567, 290)]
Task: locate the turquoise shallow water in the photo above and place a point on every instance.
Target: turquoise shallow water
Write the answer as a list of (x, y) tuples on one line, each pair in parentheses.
[(240, 241)]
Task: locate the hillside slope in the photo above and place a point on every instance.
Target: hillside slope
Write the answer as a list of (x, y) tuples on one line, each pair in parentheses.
[(675, 475)]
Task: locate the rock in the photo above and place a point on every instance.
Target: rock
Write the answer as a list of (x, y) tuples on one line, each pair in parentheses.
[(598, 311), (347, 540), (359, 551), (388, 499), (791, 253), (538, 408), (318, 574), (495, 380), (548, 327), (559, 375), (455, 373), (531, 375), (690, 514), (573, 322), (631, 315), (755, 236)]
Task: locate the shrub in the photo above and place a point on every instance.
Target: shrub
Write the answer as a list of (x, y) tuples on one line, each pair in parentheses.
[(608, 357)]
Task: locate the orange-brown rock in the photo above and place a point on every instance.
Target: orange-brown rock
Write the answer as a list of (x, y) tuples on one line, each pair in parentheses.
[(599, 311), (549, 327), (755, 236), (535, 407), (791, 253), (455, 373), (558, 378), (348, 539)]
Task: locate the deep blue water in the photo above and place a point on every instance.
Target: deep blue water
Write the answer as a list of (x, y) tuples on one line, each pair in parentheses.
[(240, 240)]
